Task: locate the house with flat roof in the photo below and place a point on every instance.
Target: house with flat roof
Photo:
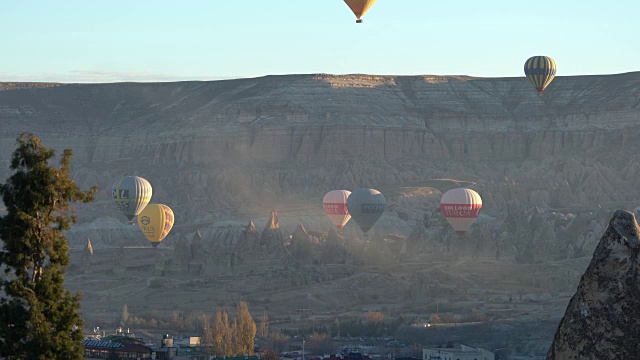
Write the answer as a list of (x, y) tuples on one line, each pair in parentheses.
[(457, 351), (96, 349)]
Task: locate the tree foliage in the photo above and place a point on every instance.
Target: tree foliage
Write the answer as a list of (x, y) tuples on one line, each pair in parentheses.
[(125, 315), (245, 330), (374, 317), (263, 329), (278, 341), (269, 355), (39, 319), (231, 338), (222, 335), (320, 343)]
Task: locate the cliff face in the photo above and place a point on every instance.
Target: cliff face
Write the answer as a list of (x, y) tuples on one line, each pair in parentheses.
[(323, 117), (233, 149), (601, 321)]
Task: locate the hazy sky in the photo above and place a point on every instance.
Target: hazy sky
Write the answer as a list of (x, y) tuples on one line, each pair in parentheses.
[(154, 40)]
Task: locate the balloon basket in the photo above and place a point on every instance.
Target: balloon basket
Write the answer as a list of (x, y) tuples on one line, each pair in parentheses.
[(359, 21)]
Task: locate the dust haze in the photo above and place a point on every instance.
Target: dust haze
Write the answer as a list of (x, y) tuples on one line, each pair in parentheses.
[(224, 155)]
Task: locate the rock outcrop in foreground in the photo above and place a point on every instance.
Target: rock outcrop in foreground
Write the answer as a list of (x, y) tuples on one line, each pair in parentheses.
[(602, 319)]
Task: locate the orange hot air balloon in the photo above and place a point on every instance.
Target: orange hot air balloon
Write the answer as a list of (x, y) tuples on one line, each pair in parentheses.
[(335, 206), (359, 7)]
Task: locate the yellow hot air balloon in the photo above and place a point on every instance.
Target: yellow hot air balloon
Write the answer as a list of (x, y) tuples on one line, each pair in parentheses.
[(155, 221), (359, 7), (540, 70)]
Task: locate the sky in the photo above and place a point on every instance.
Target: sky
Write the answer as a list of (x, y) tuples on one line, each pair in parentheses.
[(161, 40)]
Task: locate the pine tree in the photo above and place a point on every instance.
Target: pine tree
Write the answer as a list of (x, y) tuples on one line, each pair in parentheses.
[(39, 319)]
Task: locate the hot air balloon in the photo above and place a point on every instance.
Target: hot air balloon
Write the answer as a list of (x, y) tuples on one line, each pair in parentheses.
[(131, 194), (155, 221), (540, 70), (366, 207), (335, 206), (461, 207), (359, 7)]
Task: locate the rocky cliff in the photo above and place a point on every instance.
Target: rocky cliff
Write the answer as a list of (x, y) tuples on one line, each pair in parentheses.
[(601, 321), (232, 150)]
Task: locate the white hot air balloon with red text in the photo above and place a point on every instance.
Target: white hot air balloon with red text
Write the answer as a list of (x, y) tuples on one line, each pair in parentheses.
[(335, 206), (461, 207)]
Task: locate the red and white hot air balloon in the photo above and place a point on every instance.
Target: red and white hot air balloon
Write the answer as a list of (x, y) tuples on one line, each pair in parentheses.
[(335, 206), (461, 207)]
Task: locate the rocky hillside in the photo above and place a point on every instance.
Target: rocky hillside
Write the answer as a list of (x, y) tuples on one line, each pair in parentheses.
[(233, 150), (601, 319)]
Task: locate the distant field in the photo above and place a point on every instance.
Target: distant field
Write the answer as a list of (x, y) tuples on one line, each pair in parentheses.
[(416, 286)]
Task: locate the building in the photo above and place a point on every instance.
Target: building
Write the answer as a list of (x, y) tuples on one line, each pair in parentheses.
[(96, 349), (167, 350), (186, 348), (351, 355), (191, 348), (188, 341), (457, 351)]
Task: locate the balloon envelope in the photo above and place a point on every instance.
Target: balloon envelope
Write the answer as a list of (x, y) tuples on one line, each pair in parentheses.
[(461, 207), (131, 194), (155, 221), (540, 70), (366, 207), (335, 206), (359, 7)]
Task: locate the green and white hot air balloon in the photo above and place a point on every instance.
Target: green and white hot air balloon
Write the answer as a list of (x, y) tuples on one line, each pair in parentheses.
[(131, 194)]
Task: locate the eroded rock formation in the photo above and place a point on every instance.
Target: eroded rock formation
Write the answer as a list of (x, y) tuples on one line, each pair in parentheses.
[(249, 243), (87, 256), (182, 252), (601, 321), (301, 246), (253, 141), (272, 239), (334, 250), (198, 251)]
